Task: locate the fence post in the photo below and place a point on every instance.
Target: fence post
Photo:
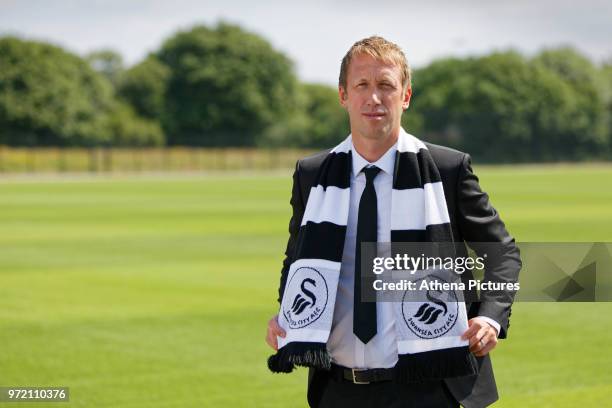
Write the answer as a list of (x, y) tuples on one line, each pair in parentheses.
[(61, 160), (108, 159), (31, 161), (92, 160), (193, 156), (274, 153), (222, 158), (248, 159), (165, 158), (136, 159)]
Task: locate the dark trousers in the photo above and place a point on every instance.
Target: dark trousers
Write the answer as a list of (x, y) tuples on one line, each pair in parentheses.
[(334, 393)]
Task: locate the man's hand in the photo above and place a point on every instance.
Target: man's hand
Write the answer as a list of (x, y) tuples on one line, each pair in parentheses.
[(482, 336), (274, 330)]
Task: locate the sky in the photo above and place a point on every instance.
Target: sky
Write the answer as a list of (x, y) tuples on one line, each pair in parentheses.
[(316, 34)]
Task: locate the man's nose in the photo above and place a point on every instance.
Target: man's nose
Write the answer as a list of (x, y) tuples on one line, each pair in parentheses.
[(375, 97)]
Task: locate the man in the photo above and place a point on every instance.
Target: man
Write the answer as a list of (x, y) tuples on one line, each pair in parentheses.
[(362, 342)]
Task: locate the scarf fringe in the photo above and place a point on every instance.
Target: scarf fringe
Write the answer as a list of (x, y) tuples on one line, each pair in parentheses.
[(303, 354), (435, 365)]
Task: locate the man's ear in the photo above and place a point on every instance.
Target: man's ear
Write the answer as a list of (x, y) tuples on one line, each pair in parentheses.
[(342, 96), (407, 95)]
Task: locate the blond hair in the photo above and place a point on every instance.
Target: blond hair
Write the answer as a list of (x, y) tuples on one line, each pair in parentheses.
[(380, 49)]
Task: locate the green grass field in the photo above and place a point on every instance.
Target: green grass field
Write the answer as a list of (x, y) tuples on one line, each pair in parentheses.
[(155, 291)]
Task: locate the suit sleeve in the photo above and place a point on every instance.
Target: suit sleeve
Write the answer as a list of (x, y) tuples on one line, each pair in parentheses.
[(480, 224), (297, 206)]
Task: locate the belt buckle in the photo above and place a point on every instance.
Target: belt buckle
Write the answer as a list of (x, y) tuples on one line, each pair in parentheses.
[(353, 370)]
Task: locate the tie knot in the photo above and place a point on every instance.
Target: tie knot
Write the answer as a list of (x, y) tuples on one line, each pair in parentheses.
[(370, 173)]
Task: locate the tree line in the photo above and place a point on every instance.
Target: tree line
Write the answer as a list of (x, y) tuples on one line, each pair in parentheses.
[(223, 86)]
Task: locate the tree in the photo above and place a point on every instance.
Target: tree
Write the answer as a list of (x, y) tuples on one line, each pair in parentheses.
[(144, 87), (606, 74), (319, 121), (50, 97), (226, 86), (481, 105), (328, 120), (585, 130), (108, 63), (502, 107), (128, 129)]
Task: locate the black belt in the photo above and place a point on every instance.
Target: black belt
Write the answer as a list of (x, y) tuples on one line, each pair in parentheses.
[(358, 376)]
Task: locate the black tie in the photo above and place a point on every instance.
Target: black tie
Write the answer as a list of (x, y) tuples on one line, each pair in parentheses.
[(364, 313)]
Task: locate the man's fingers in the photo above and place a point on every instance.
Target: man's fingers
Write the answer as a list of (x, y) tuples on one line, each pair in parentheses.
[(483, 351), (480, 334), (490, 343), (275, 328), (469, 333), (481, 344), (472, 330), (273, 331), (272, 342)]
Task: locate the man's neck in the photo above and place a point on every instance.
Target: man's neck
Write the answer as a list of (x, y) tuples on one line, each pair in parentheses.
[(374, 149)]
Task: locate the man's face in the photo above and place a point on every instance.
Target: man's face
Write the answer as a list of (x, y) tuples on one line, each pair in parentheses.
[(374, 97)]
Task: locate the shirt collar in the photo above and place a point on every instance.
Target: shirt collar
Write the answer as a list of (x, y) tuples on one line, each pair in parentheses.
[(386, 163)]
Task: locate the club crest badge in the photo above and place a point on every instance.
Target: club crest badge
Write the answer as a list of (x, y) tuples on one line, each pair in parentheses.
[(305, 297), (432, 317)]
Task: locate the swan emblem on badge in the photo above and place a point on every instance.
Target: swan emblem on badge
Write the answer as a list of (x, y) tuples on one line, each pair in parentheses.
[(306, 297), (434, 317)]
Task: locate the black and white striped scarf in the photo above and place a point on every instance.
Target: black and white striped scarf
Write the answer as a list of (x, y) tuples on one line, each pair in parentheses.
[(418, 214)]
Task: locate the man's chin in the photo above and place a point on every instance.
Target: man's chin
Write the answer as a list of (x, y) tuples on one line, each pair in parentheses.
[(379, 132)]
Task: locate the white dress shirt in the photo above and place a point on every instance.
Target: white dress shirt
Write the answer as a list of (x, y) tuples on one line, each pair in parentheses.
[(344, 347)]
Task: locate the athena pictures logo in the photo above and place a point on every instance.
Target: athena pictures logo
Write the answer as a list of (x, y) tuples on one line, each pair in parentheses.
[(305, 298), (434, 317)]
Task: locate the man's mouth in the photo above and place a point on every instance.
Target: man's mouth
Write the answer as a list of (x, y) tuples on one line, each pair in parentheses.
[(374, 115)]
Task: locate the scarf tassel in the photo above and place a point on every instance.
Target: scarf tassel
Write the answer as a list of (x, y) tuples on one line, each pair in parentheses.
[(435, 365), (300, 354)]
